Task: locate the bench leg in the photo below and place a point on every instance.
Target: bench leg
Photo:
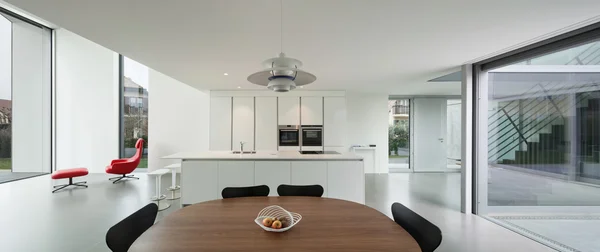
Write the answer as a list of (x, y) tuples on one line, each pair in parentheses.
[(77, 184)]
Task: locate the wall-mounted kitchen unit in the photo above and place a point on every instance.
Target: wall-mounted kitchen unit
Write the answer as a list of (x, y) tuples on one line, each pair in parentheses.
[(288, 110), (311, 110), (258, 118)]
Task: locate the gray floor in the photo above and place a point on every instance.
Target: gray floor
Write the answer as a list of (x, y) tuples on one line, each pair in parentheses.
[(34, 219), (566, 233), (512, 188), (8, 176)]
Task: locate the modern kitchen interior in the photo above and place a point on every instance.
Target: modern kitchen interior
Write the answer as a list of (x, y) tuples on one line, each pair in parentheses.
[(274, 138)]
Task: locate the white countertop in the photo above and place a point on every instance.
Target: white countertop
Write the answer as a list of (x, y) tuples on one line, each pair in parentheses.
[(263, 155)]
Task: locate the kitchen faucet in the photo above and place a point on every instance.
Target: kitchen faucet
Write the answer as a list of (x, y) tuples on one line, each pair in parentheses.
[(242, 147)]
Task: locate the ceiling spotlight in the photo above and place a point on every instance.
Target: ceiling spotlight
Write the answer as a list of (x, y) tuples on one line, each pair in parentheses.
[(239, 87), (301, 87), (225, 74)]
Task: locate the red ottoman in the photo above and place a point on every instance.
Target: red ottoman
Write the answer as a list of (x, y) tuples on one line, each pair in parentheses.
[(70, 174)]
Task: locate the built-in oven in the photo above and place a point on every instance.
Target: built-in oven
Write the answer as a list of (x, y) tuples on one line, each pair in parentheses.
[(311, 136), (289, 135)]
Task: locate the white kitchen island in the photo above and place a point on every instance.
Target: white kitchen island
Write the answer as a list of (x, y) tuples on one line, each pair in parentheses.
[(205, 174)]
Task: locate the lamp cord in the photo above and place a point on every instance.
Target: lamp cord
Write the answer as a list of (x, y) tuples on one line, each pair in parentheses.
[(281, 25)]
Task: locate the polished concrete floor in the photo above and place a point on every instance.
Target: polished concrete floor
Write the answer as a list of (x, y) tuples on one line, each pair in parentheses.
[(34, 219), (513, 188), (566, 233), (9, 176)]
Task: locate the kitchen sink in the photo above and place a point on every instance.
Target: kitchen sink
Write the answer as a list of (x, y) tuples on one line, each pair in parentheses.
[(245, 152)]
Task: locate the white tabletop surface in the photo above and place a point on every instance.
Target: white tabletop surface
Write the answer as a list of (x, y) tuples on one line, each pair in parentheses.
[(262, 155)]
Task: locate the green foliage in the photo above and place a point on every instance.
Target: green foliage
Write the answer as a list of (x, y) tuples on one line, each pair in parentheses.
[(5, 142), (130, 142), (398, 135)]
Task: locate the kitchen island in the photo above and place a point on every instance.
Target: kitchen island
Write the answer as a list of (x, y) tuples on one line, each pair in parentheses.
[(205, 174)]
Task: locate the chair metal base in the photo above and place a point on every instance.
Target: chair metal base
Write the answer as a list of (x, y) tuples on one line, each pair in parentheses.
[(77, 184), (174, 194), (118, 179)]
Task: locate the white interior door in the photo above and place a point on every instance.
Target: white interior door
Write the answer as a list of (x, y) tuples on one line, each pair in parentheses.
[(430, 134)]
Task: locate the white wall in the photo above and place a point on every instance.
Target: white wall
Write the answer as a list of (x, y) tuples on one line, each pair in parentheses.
[(5, 58), (367, 116), (31, 98), (178, 119), (87, 103)]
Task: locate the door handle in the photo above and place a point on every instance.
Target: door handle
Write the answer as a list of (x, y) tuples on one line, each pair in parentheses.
[(441, 139)]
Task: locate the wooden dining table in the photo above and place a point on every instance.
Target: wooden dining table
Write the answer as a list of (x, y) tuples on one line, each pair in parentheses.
[(228, 225)]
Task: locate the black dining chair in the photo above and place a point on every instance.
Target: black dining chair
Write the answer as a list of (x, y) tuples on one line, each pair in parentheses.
[(300, 190), (427, 235), (250, 191), (120, 236)]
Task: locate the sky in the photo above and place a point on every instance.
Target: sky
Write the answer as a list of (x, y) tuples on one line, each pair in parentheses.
[(136, 71), (5, 58)]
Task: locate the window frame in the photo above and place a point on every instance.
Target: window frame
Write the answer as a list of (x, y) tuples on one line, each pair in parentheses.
[(480, 71), (52, 90)]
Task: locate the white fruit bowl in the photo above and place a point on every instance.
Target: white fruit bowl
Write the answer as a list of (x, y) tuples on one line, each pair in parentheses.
[(280, 213)]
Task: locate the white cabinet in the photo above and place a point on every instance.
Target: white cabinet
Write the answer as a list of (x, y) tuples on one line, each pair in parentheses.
[(310, 173), (199, 178), (220, 123), (311, 110), (266, 123), (204, 180), (272, 174), (334, 124), (288, 110), (369, 155), (243, 122), (235, 174), (346, 180)]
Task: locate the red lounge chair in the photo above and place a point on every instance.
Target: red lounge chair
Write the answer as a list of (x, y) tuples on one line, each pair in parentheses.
[(126, 165)]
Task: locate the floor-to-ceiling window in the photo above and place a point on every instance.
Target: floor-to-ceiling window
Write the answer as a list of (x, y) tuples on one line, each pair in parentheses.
[(25, 91), (453, 134), (134, 109), (399, 134), (538, 143)]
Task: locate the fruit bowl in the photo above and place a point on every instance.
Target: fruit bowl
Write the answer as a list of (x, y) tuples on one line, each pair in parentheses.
[(289, 219)]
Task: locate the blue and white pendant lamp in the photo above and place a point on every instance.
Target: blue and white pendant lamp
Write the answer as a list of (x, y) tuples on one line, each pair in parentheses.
[(282, 74)]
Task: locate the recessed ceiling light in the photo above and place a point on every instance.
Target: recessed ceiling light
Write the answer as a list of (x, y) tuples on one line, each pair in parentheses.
[(239, 87), (301, 87), (225, 74)]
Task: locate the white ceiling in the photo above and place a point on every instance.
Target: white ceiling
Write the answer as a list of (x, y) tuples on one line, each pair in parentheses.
[(390, 46)]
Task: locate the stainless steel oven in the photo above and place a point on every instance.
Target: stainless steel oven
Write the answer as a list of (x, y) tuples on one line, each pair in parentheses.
[(289, 135), (312, 135)]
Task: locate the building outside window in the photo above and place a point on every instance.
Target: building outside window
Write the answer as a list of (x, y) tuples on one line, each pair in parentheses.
[(398, 133), (134, 111)]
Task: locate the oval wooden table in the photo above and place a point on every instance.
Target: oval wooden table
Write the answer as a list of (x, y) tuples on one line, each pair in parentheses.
[(228, 225)]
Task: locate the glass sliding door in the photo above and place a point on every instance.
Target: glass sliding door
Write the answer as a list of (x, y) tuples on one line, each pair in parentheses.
[(25, 104), (399, 134), (134, 110), (538, 146), (453, 134)]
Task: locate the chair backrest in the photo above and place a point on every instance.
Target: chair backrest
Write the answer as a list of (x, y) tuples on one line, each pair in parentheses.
[(250, 191), (300, 190), (120, 236), (427, 235), (139, 145)]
